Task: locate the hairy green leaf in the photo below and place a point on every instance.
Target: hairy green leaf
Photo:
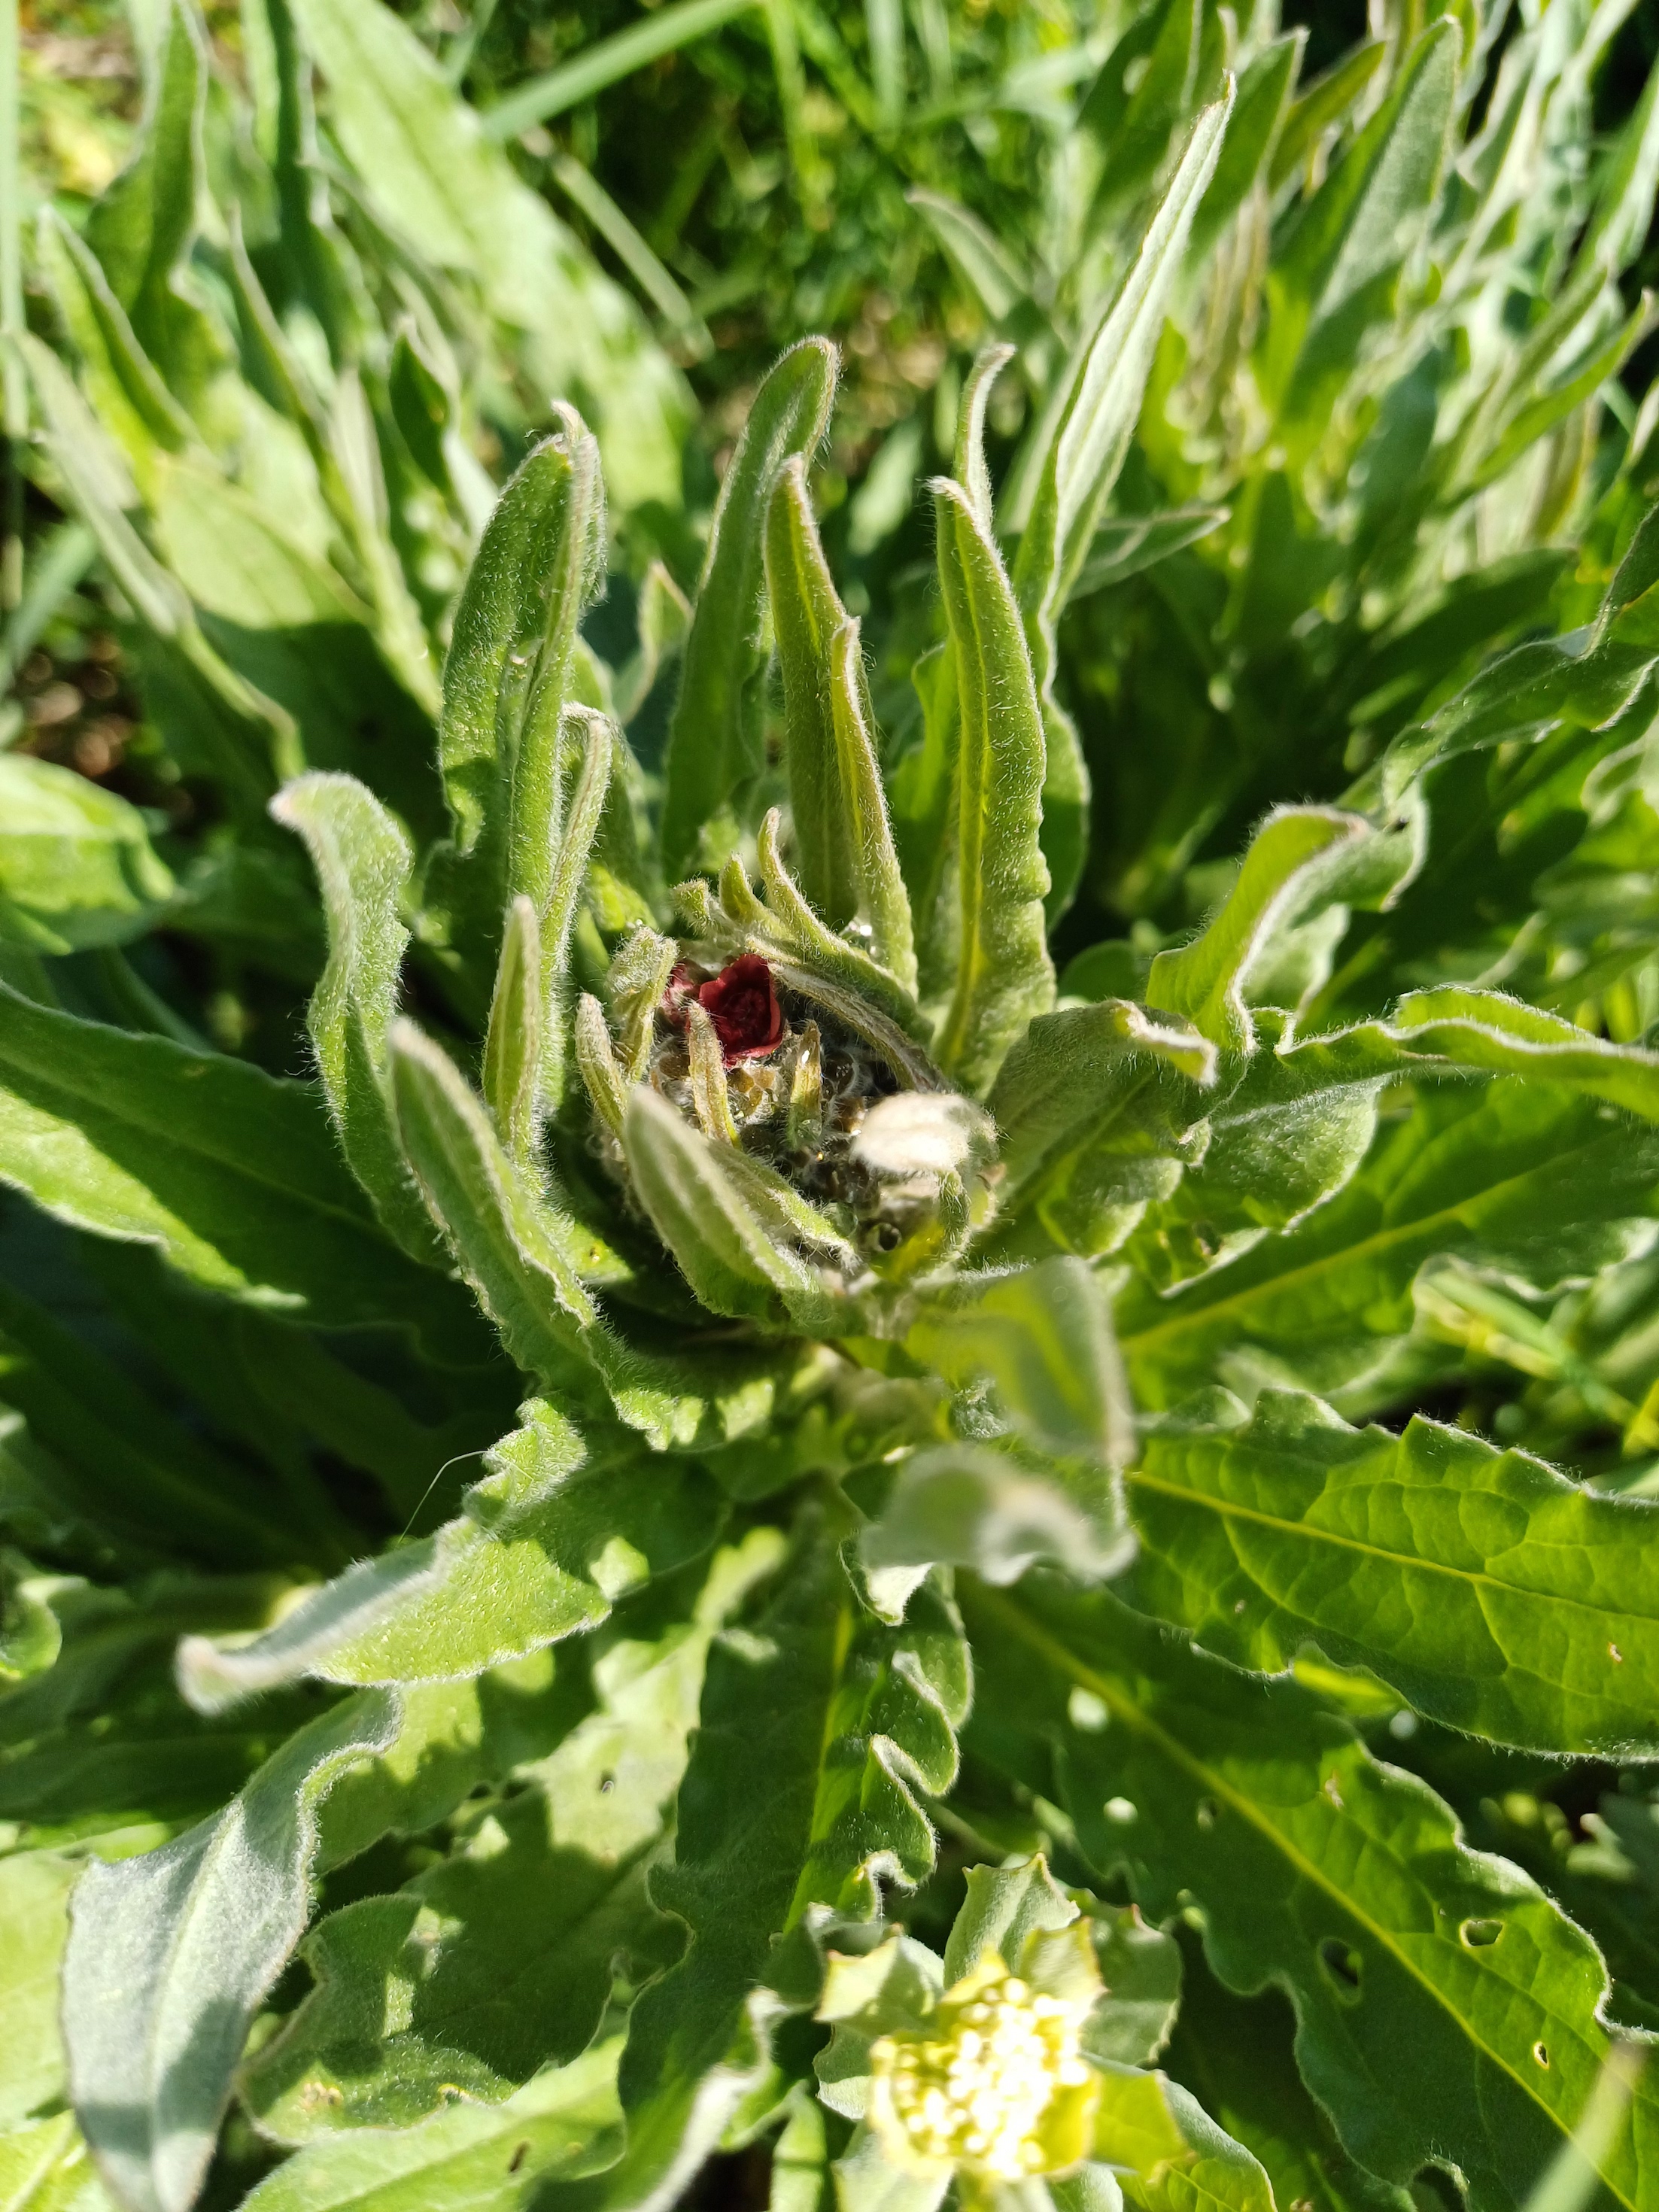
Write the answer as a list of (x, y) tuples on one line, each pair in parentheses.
[(1491, 1593), (544, 1545), (233, 1176), (1448, 2011), (363, 862), (169, 1953), (1004, 974), (714, 746)]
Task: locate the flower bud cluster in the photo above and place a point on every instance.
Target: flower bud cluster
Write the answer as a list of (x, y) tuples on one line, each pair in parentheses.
[(983, 2090)]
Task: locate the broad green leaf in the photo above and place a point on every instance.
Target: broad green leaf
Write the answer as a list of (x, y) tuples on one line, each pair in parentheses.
[(237, 561), (1491, 1593), (965, 1505), (77, 865), (1043, 1336), (1074, 1075), (1141, 1968), (508, 1944), (507, 677), (233, 1176), (473, 2157), (844, 845), (429, 174), (745, 1248), (847, 1719), (714, 747), (1236, 2057), (1005, 976), (1302, 861), (363, 862), (546, 1543), (1336, 271), (170, 1953), (35, 1888), (1524, 1178), (1441, 1998), (44, 2167)]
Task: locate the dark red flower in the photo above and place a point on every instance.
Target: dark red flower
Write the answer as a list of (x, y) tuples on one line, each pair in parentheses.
[(744, 1008)]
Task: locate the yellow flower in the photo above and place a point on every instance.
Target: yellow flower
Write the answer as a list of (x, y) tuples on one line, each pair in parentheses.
[(997, 2086)]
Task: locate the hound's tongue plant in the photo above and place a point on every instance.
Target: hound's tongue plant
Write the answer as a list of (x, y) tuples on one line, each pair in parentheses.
[(744, 1104)]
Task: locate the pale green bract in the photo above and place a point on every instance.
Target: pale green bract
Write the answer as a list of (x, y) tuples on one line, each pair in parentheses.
[(776, 1510)]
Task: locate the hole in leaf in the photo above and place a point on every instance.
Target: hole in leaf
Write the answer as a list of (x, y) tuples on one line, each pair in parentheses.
[(1343, 1968), (1541, 2051), (1207, 1812), (1477, 1934)]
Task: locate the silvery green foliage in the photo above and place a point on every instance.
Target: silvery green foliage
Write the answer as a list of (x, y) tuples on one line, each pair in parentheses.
[(943, 1456)]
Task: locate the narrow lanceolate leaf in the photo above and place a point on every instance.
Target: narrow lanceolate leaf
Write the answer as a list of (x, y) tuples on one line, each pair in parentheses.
[(362, 861), (1335, 273), (1301, 861), (504, 1236), (848, 1720), (714, 746), (1491, 1593), (1005, 976), (968, 461), (1104, 401), (508, 676), (545, 1544), (234, 1176), (1090, 438), (748, 1245), (512, 1042), (844, 853), (1488, 1031), (592, 739), (1525, 1178), (170, 1953), (1448, 2011)]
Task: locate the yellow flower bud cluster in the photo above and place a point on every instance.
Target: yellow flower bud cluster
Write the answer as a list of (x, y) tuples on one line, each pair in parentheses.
[(983, 2091)]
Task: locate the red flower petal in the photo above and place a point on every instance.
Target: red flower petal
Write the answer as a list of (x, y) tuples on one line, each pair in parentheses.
[(744, 1007)]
